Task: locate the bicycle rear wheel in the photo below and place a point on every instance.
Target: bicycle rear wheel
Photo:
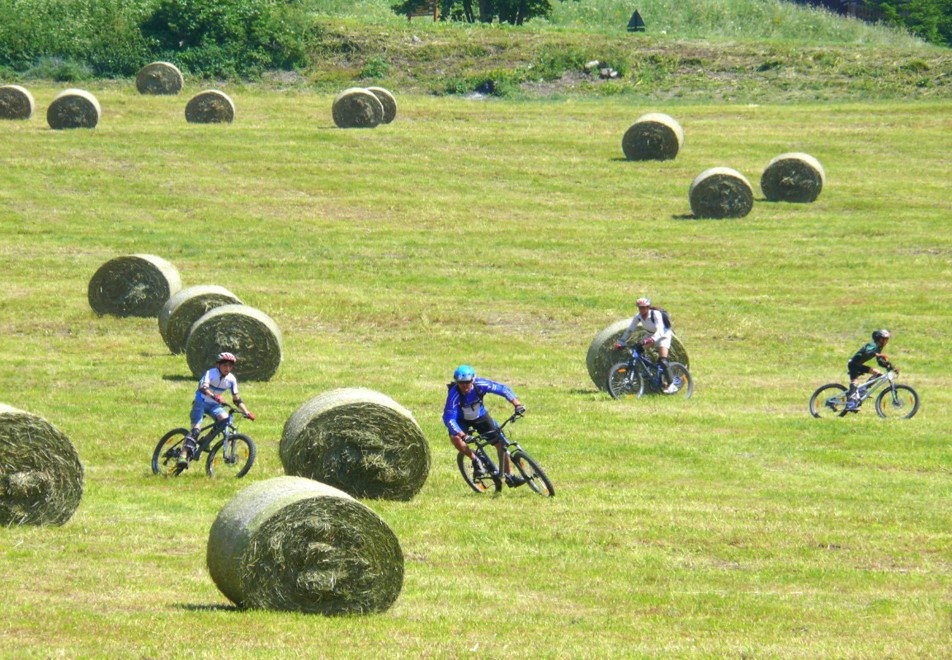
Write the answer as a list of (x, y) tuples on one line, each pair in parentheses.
[(532, 473), (903, 405), (483, 484), (682, 380), (166, 454), (828, 401), (623, 382), (233, 460)]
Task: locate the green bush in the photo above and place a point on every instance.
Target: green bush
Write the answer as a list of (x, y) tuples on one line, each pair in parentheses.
[(59, 70)]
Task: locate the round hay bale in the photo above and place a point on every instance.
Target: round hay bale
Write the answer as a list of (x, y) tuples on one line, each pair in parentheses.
[(159, 79), (135, 285), (293, 544), (358, 440), (721, 192), (793, 177), (41, 478), (249, 333), (357, 108), (602, 356), (210, 107), (388, 101), (187, 306), (16, 102), (654, 136), (73, 108)]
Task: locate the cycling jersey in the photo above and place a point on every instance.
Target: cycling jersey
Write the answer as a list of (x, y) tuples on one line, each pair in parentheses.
[(460, 408), (865, 354), (217, 383), (653, 325)]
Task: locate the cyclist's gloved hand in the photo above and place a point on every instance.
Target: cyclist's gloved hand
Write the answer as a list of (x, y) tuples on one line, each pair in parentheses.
[(218, 398), (250, 415), (618, 345), (520, 409), (461, 436), (649, 341)]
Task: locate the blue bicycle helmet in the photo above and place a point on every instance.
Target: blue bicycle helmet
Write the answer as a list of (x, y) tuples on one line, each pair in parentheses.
[(464, 374)]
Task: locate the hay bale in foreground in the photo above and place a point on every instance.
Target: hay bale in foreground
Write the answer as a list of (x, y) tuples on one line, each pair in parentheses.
[(16, 102), (356, 107), (793, 177), (41, 478), (134, 285), (249, 333), (160, 79), (721, 192), (210, 107), (358, 440), (388, 101), (293, 544), (654, 136), (602, 355), (187, 306), (73, 108)]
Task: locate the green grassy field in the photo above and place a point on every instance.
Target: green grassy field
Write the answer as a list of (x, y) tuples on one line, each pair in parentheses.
[(504, 234)]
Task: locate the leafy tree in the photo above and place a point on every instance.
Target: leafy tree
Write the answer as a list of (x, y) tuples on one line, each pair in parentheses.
[(514, 12), (929, 19)]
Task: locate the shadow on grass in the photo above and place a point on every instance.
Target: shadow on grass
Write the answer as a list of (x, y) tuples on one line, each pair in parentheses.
[(193, 607)]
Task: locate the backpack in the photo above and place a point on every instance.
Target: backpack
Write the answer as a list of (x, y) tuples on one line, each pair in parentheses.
[(665, 317)]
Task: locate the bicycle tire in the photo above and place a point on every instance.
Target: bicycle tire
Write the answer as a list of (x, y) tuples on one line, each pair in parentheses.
[(830, 402), (534, 475), (165, 456), (619, 382), (686, 386), (481, 485), (244, 457), (901, 407)]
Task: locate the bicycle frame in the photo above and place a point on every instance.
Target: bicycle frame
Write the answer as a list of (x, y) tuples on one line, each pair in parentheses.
[(651, 370), (495, 437), (870, 387), (224, 428)]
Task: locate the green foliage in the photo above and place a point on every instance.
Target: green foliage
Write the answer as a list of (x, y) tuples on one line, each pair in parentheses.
[(375, 67), (928, 19), (513, 12), (59, 70)]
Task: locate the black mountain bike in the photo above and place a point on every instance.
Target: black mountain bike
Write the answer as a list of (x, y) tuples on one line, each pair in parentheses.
[(640, 374), (899, 401), (232, 455), (493, 477)]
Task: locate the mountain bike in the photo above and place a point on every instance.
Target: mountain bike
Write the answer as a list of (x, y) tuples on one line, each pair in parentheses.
[(232, 455), (639, 374), (900, 401), (493, 477)]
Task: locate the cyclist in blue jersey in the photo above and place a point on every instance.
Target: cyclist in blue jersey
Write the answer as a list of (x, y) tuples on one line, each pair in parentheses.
[(464, 411), (857, 367)]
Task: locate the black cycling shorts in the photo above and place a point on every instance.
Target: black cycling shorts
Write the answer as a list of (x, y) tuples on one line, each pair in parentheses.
[(857, 370), (484, 425)]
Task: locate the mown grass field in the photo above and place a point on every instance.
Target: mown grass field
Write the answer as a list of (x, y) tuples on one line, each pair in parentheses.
[(504, 234)]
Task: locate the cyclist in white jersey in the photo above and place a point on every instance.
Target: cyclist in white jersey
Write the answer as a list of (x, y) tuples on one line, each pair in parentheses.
[(653, 323)]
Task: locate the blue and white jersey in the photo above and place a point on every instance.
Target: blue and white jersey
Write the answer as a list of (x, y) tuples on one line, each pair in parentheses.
[(470, 406), (217, 383)]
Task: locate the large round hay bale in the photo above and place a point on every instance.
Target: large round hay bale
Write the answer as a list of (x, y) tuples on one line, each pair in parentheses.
[(41, 478), (388, 101), (16, 102), (134, 285), (602, 355), (294, 544), (793, 177), (654, 136), (358, 440), (160, 79), (187, 306), (721, 192), (357, 108), (73, 108), (249, 333), (210, 107)]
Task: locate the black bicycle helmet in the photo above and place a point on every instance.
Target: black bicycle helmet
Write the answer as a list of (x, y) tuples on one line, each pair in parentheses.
[(880, 334)]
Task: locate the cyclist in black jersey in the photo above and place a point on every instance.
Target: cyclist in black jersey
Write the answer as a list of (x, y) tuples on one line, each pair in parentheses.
[(857, 366)]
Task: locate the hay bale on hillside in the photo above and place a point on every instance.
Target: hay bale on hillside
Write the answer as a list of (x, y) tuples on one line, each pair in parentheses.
[(793, 177), (159, 78), (602, 355), (293, 544), (721, 192), (134, 285), (16, 102), (41, 478), (187, 306), (388, 101), (73, 108), (210, 107), (357, 108), (358, 440), (249, 333), (654, 136)]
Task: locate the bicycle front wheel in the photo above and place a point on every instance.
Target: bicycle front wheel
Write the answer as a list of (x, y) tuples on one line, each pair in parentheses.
[(622, 381), (232, 457), (828, 401), (481, 484), (682, 380), (533, 474), (166, 454), (901, 403)]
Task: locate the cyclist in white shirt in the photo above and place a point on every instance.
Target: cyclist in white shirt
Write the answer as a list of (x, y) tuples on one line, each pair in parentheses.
[(653, 323)]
